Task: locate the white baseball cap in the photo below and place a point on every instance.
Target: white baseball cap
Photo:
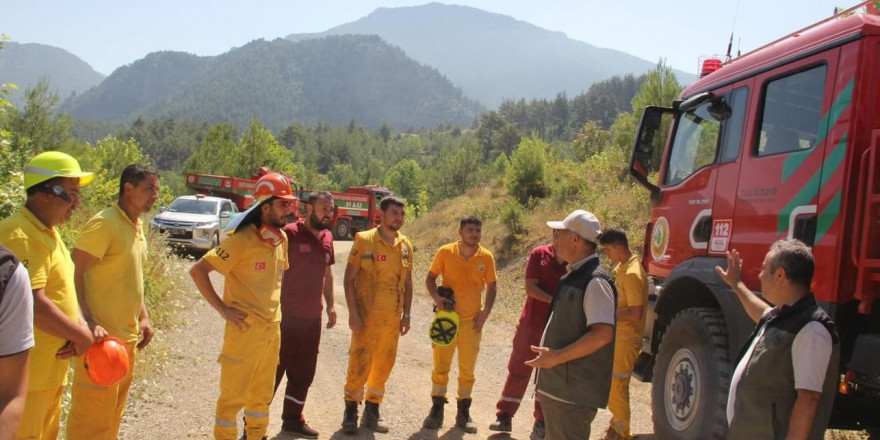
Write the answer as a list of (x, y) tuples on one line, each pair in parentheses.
[(583, 223)]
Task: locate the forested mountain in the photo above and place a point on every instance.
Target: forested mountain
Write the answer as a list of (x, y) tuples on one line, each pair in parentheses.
[(491, 56), (333, 79), (24, 65)]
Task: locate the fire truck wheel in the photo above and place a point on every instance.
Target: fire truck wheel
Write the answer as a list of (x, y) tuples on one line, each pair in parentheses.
[(341, 230), (691, 377)]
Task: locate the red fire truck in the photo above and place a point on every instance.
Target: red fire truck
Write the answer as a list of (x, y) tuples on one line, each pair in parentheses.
[(779, 143), (357, 208)]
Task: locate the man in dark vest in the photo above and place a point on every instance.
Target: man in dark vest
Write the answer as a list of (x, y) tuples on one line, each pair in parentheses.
[(785, 382), (577, 351)]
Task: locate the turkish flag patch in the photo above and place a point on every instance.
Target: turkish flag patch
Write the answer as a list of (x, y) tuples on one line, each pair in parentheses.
[(381, 258), (260, 265)]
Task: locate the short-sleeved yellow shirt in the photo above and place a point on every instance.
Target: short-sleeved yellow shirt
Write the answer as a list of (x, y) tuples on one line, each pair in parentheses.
[(466, 278), (114, 285), (50, 267), (382, 269), (632, 291), (253, 270)]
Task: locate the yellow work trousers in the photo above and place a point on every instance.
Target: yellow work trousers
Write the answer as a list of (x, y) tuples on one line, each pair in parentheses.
[(468, 345), (371, 357), (247, 378), (626, 350), (95, 410), (42, 415)]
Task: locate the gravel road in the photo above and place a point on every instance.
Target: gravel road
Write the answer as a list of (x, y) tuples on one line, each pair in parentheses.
[(180, 404)]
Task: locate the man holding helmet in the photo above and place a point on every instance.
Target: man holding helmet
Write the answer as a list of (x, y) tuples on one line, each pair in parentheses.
[(52, 181), (252, 260), (110, 254)]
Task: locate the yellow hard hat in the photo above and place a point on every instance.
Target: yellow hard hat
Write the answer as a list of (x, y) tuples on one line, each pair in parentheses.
[(45, 166), (444, 327)]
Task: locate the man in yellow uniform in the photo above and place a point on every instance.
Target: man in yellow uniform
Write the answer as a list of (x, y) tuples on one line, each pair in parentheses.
[(632, 300), (52, 181), (467, 268), (252, 260), (378, 292), (109, 256)]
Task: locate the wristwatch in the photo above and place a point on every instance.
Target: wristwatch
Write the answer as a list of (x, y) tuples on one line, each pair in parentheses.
[(406, 316)]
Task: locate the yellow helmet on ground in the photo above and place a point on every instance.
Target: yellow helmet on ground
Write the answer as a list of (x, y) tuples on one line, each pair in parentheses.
[(50, 164), (444, 327)]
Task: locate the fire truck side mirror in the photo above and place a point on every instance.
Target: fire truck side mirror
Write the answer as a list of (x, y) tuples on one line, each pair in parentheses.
[(647, 151)]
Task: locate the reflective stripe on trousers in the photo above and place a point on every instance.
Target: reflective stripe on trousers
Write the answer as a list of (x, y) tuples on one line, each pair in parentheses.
[(468, 345), (371, 357), (247, 377), (96, 411)]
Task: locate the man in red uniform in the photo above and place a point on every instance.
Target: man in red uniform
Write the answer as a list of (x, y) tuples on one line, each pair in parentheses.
[(543, 271), (310, 253)]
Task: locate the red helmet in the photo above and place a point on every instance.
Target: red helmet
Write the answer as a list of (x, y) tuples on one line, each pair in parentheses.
[(107, 362), (274, 184)]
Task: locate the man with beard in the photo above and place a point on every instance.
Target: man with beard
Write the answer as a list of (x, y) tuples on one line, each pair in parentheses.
[(252, 260), (378, 292), (310, 255), (52, 181), (109, 256)]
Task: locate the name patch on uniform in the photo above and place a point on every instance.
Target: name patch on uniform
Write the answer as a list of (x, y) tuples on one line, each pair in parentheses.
[(381, 258), (260, 265), (303, 248)]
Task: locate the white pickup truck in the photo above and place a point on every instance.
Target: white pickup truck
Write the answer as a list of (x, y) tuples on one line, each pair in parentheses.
[(195, 222)]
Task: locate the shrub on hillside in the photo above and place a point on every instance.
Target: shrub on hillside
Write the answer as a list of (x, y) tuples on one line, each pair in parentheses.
[(525, 177)]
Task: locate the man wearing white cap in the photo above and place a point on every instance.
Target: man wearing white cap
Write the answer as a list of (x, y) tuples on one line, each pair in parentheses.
[(577, 350), (52, 181)]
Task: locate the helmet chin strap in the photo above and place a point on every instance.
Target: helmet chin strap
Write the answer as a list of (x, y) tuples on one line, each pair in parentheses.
[(270, 235)]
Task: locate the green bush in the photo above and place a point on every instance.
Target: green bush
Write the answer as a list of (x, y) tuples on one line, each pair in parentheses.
[(513, 217), (525, 178)]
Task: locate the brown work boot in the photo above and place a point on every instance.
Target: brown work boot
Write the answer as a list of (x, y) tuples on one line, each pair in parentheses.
[(372, 419), (463, 417), (300, 429)]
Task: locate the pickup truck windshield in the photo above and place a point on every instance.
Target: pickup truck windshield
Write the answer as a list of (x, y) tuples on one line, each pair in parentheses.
[(194, 206)]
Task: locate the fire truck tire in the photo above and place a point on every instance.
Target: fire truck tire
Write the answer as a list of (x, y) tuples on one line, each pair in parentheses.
[(342, 230), (691, 377)]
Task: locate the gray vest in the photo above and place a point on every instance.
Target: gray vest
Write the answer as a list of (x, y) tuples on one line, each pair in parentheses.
[(765, 395), (8, 265), (586, 380)]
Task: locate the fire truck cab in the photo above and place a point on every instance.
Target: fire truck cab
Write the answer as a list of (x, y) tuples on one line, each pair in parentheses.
[(779, 143)]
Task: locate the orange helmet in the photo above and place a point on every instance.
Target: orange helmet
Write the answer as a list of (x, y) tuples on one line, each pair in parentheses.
[(274, 184), (107, 362)]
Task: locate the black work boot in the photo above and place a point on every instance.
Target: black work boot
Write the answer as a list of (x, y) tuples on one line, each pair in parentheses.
[(503, 423), (372, 419), (350, 418), (463, 417), (435, 417)]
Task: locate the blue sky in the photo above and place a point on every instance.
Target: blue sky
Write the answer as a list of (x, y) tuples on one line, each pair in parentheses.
[(111, 33)]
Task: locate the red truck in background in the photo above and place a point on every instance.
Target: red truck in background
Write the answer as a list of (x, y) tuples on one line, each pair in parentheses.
[(357, 208), (779, 143)]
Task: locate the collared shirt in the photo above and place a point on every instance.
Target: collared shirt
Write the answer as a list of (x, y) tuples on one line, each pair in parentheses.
[(381, 268), (466, 277), (632, 291), (253, 270), (544, 267), (114, 285), (309, 257), (41, 251)]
